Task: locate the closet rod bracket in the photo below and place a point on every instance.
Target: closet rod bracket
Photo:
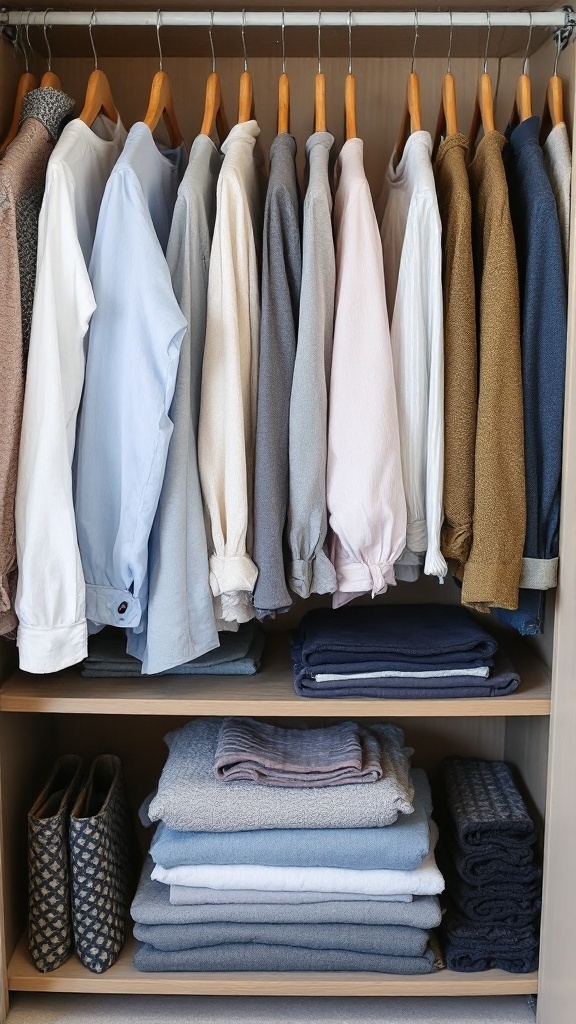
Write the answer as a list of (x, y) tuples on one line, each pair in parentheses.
[(562, 36)]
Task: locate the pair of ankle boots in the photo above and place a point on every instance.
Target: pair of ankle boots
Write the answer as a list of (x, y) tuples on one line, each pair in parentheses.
[(80, 865)]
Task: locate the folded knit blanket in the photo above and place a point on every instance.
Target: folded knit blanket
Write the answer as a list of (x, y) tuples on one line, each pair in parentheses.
[(486, 811), (239, 654), (336, 755), (152, 906), (419, 637), (190, 797), (425, 880), (403, 844), (381, 940), (513, 905), (192, 896), (471, 946), (494, 866), (503, 679), (258, 957)]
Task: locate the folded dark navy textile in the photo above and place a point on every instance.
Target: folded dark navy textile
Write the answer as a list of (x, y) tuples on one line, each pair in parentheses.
[(471, 946), (393, 636), (475, 958), (513, 905), (502, 681), (492, 866), (486, 811)]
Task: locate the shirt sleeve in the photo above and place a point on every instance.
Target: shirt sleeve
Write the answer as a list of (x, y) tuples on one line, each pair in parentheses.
[(228, 402), (50, 599), (366, 502), (124, 428)]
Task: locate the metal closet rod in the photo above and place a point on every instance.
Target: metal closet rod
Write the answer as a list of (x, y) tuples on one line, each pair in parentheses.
[(305, 19)]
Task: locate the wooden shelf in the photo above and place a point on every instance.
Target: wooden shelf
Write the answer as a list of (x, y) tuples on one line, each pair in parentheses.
[(123, 978), (270, 693)]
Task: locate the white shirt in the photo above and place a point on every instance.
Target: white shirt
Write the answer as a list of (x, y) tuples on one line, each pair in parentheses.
[(227, 426), (366, 502), (411, 238), (50, 599)]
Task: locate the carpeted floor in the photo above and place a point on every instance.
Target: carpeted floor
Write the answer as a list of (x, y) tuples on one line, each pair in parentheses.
[(29, 1008)]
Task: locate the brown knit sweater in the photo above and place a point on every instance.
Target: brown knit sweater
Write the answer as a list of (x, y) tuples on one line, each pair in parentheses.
[(460, 363), (492, 573)]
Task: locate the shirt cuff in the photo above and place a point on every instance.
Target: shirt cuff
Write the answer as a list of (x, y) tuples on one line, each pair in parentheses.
[(314, 575), (232, 573), (539, 573), (364, 577), (51, 650), (111, 607)]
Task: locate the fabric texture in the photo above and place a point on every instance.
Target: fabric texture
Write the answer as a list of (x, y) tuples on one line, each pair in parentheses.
[(492, 573), (230, 378), (487, 812), (135, 339), (256, 957), (460, 358), (310, 571), (190, 797), (239, 654), (558, 162), (281, 278), (411, 238), (516, 906), (402, 845), (50, 598), (365, 493), (189, 896), (471, 946), (252, 751), (179, 625), (22, 177)]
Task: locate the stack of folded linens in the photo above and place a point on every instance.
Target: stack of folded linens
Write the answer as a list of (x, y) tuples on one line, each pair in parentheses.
[(493, 879), (398, 651), (289, 850)]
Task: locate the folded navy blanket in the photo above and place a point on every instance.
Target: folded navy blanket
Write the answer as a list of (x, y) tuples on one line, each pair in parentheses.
[(486, 811), (239, 654), (403, 845), (502, 680), (470, 946), (405, 637), (491, 866), (505, 903), (259, 957)]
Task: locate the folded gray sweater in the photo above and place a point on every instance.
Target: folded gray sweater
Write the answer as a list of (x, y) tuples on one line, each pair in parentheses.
[(191, 797), (257, 957)]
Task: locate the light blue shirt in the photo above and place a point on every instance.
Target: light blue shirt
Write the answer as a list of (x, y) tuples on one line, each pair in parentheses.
[(134, 345)]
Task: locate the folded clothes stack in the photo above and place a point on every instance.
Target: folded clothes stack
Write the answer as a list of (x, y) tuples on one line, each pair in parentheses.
[(289, 850), (398, 651), (493, 879), (239, 654)]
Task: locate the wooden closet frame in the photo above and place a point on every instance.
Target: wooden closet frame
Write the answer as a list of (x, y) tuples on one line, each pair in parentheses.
[(534, 729)]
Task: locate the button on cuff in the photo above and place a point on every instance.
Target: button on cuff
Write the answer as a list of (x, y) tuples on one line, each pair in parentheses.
[(112, 607)]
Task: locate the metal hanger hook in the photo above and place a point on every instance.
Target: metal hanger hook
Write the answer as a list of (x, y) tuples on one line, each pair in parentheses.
[(244, 39), (487, 42), (46, 13), (415, 41), (349, 42), (211, 26), (28, 48), (319, 49), (525, 61), (556, 57), (90, 24), (282, 29), (449, 64), (158, 27)]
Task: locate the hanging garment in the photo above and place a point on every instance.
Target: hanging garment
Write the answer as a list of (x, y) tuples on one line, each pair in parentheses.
[(135, 339), (50, 599), (179, 623), (543, 326), (492, 573), (227, 426), (558, 161), (310, 570), (281, 276), (460, 360), (22, 177), (366, 503), (411, 237)]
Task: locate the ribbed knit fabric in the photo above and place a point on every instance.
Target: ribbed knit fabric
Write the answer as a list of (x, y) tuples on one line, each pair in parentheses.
[(558, 161), (366, 503), (460, 357), (492, 573)]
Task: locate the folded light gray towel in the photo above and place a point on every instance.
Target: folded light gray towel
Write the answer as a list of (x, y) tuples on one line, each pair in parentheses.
[(336, 755), (381, 940), (257, 957), (187, 895), (152, 906), (191, 798)]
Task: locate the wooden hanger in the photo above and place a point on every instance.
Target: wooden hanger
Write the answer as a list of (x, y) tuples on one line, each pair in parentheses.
[(49, 80), (553, 113), (412, 120), (483, 115), (161, 103), (319, 88), (26, 83), (522, 108), (447, 123), (246, 98), (350, 90), (214, 116), (98, 97), (283, 92)]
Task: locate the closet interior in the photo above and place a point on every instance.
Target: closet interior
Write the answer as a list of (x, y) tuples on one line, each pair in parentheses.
[(532, 729)]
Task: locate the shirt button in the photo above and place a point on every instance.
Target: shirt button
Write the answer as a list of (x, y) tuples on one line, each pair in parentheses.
[(122, 607)]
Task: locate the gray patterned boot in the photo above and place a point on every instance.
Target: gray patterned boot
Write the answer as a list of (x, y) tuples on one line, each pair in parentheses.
[(50, 920)]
